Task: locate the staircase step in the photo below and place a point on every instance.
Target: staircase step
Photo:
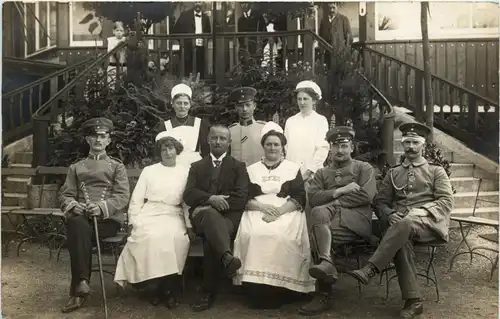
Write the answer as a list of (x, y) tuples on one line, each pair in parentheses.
[(14, 199), (23, 158), (482, 212), (469, 184), (15, 185), (20, 165), (467, 199)]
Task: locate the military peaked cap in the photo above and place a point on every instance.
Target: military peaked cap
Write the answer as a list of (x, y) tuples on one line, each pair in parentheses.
[(414, 129), (242, 95), (340, 134), (98, 125)]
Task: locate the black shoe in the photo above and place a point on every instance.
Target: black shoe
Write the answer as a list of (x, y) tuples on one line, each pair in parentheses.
[(204, 302), (364, 274), (412, 308), (324, 271), (74, 303), (320, 304), (83, 289), (170, 300), (231, 264)]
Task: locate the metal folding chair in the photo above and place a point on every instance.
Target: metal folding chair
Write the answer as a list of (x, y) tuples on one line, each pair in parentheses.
[(476, 221)]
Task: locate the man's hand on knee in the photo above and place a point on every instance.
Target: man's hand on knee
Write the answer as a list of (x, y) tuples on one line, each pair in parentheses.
[(219, 202), (394, 218), (200, 209)]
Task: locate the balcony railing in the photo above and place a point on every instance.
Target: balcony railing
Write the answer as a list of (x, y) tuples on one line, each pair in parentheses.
[(294, 46)]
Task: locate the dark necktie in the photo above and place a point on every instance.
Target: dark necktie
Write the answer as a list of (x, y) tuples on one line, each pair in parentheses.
[(198, 15), (217, 163)]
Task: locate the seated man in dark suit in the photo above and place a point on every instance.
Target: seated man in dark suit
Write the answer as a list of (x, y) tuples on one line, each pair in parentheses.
[(217, 192)]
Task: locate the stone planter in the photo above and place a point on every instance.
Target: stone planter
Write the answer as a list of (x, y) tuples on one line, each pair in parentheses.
[(48, 194)]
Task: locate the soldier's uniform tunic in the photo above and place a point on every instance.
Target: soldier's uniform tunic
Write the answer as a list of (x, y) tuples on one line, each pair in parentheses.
[(98, 179), (410, 185), (245, 141)]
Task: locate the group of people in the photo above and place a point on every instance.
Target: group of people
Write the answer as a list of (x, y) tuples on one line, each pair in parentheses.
[(262, 202)]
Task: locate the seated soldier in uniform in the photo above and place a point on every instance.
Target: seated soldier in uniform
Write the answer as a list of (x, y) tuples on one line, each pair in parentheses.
[(414, 202), (340, 196), (95, 186), (245, 135)]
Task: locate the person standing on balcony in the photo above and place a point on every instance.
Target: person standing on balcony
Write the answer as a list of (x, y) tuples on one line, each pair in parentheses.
[(341, 197), (251, 21), (197, 22), (192, 130), (414, 204), (117, 62), (335, 29), (245, 135), (306, 131), (95, 186)]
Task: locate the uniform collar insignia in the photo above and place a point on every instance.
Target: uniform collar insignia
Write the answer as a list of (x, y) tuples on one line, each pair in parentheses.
[(99, 156), (246, 122), (419, 162)]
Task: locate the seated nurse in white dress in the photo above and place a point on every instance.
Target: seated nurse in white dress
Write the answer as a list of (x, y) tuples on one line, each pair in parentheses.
[(157, 247), (272, 240)]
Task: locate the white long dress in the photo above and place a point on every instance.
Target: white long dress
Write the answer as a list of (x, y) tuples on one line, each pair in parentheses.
[(277, 253), (158, 245)]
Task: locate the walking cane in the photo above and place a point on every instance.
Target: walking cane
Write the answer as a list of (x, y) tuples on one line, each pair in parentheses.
[(101, 273), (99, 259)]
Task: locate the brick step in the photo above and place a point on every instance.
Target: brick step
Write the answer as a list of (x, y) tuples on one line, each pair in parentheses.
[(22, 158), (15, 184), (482, 212), (469, 184), (467, 199)]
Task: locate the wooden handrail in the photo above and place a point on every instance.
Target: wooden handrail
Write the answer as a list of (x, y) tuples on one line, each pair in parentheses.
[(30, 85), (433, 76), (175, 36), (39, 113)]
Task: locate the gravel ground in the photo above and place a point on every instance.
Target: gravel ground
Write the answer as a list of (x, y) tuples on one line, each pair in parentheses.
[(34, 287)]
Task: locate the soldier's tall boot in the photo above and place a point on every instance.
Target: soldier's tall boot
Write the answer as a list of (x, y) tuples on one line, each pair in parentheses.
[(325, 270)]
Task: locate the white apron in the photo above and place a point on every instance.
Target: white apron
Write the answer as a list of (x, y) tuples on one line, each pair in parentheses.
[(189, 135), (277, 253)]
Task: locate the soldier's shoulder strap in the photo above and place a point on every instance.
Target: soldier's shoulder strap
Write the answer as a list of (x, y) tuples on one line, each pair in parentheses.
[(116, 159), (233, 125), (435, 164), (395, 165), (78, 160), (261, 122)]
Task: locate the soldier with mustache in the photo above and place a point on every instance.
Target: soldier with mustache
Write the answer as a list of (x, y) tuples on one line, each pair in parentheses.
[(340, 196)]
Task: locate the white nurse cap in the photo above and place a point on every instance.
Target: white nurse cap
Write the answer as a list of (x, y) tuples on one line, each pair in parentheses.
[(181, 89), (309, 85)]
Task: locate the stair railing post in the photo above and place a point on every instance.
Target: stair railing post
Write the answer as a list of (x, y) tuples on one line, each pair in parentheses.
[(419, 95), (40, 142), (388, 139)]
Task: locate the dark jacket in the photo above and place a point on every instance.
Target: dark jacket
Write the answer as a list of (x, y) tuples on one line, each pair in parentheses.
[(186, 24), (338, 32), (233, 181)]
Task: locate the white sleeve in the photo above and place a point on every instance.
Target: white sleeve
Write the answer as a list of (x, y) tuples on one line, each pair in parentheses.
[(185, 211), (137, 198), (286, 132), (321, 146)]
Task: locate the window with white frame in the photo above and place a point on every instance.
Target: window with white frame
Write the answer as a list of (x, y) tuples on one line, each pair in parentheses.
[(401, 20), (40, 26)]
